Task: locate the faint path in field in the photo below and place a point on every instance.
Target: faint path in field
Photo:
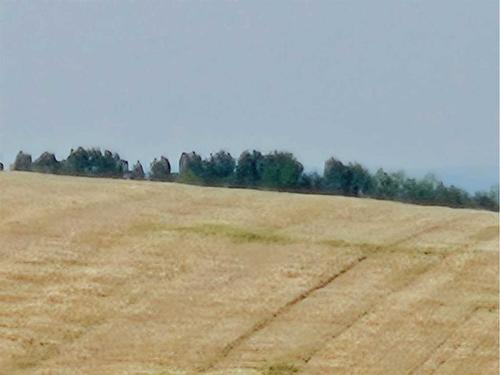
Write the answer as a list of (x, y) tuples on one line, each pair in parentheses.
[(410, 275), (368, 310), (464, 321), (462, 343), (425, 288), (370, 292), (427, 230), (280, 311)]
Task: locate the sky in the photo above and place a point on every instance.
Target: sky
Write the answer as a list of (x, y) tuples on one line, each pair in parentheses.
[(409, 85)]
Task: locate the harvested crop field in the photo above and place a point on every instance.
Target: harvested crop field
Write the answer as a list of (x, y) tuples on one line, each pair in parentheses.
[(103, 276)]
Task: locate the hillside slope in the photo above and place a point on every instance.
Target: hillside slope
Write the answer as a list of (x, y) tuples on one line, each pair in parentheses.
[(105, 276)]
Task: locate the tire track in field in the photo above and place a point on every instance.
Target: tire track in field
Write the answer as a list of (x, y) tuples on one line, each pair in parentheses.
[(468, 316), (280, 311), (309, 353), (370, 309), (463, 322), (428, 229)]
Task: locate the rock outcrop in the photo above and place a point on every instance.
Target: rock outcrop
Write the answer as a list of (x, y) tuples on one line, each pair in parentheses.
[(46, 163), (22, 163), (137, 172), (189, 161), (160, 169)]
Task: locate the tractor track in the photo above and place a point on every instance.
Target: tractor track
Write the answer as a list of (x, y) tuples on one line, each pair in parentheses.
[(280, 311)]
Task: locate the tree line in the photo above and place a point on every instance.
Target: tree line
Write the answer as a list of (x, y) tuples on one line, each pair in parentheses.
[(272, 171)]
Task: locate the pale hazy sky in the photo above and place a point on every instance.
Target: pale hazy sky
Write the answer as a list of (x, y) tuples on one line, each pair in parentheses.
[(399, 84)]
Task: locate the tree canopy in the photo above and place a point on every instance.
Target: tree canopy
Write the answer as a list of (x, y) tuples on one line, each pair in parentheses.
[(277, 170)]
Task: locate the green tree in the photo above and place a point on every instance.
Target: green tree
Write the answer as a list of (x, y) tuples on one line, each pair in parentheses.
[(360, 181), (487, 200), (311, 182), (92, 162), (77, 163), (334, 175), (281, 170), (219, 167), (249, 168), (388, 185)]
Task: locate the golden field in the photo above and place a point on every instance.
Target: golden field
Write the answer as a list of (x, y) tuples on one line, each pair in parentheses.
[(103, 276)]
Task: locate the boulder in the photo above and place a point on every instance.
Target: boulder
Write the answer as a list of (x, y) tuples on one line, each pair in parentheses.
[(124, 166), (22, 162), (46, 163), (137, 172), (189, 161), (160, 169)]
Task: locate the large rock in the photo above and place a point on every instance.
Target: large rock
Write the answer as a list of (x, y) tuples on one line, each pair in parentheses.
[(189, 161), (124, 167), (22, 162), (160, 169), (1, 166), (137, 172), (46, 163)]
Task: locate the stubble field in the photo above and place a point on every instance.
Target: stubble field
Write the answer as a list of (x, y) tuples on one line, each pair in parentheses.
[(103, 276)]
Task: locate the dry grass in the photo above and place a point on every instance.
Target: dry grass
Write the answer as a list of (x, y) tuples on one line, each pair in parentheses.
[(120, 277), (237, 235)]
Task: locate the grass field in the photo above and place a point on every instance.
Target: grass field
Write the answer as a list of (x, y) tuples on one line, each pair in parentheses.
[(105, 276)]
